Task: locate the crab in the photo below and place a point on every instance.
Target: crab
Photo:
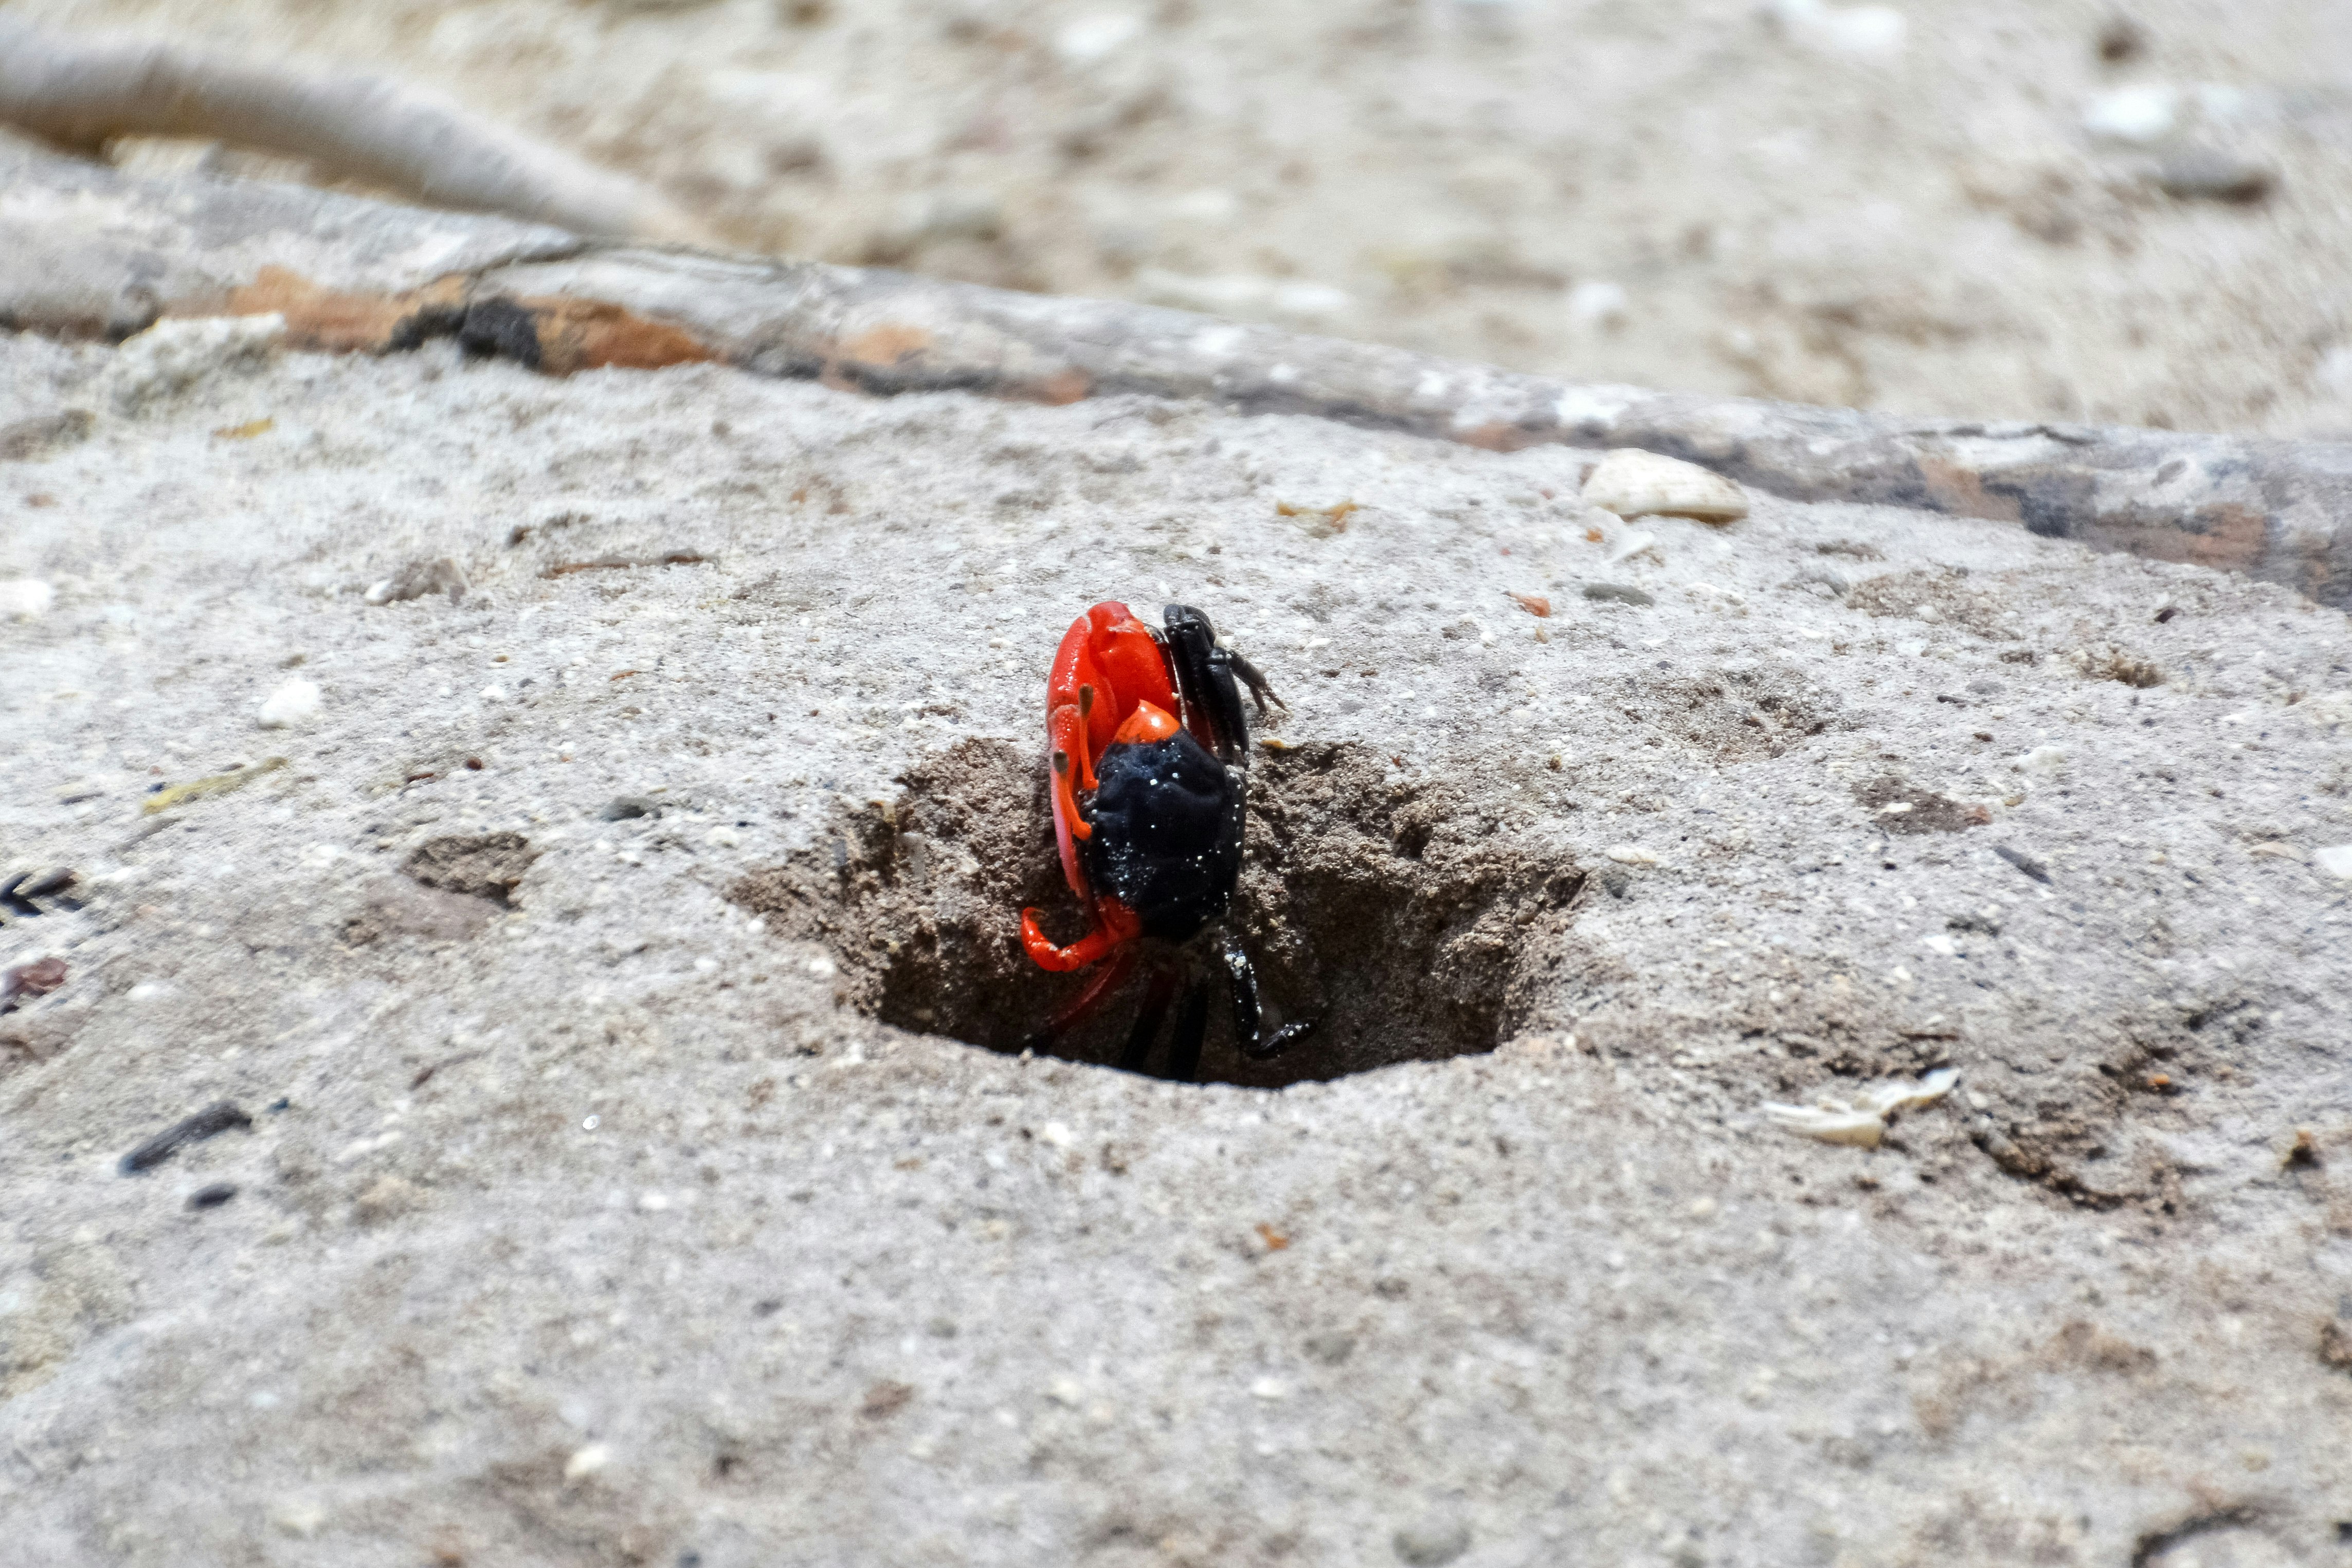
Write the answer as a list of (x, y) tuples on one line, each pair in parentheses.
[(1149, 750)]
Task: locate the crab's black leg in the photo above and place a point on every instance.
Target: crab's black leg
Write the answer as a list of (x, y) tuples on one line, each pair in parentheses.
[(1261, 690), (1154, 1013), (1112, 975), (1191, 1029), (1245, 1014), (1204, 679)]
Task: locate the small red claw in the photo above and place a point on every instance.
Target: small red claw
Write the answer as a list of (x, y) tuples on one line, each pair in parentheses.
[(1115, 927)]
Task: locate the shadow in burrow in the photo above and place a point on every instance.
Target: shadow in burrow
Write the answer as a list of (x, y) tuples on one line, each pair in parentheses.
[(1397, 915)]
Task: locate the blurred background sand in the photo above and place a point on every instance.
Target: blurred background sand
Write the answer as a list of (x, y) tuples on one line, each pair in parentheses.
[(2016, 208)]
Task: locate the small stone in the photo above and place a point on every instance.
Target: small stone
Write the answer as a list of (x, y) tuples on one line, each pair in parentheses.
[(387, 1198), (1097, 37), (1596, 303), (2335, 860), (44, 433), (2042, 761), (25, 598), (1269, 1388), (1331, 1349), (1616, 593), (419, 579), (176, 353), (2208, 173), (1433, 1540), (1632, 855), (298, 1516), (1067, 1391), (2141, 115), (1863, 32), (289, 705), (587, 1461), (211, 1197), (1632, 483)]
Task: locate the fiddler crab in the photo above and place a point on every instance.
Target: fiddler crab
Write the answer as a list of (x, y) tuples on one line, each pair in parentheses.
[(1149, 750)]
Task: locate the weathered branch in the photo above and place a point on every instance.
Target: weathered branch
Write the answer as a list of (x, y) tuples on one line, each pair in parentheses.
[(82, 92), (86, 249)]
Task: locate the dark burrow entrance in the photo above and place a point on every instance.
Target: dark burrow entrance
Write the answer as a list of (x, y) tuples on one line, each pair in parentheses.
[(1398, 915)]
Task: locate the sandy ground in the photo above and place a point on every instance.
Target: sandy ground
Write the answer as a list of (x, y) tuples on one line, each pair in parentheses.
[(1940, 208), (585, 1217)]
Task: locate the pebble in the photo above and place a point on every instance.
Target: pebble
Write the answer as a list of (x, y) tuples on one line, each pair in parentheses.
[(298, 1516), (173, 354), (419, 578), (2042, 761), (1632, 483), (1269, 1388), (2335, 860), (1617, 593), (1097, 37), (1432, 1541), (25, 598), (1630, 854), (1864, 31), (289, 705), (211, 1197), (2141, 115), (2210, 173), (585, 1462), (1596, 302)]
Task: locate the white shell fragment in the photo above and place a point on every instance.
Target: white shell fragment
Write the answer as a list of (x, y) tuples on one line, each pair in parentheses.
[(1632, 483), (1632, 855), (1635, 541), (2335, 860), (289, 705), (25, 597), (1860, 1120)]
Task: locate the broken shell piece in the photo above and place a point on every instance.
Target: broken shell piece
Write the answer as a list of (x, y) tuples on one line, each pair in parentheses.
[(1632, 855), (1860, 1120), (1633, 483), (1633, 543), (1862, 1129)]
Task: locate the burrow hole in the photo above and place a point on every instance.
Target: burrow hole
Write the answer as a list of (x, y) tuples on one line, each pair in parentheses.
[(1404, 917)]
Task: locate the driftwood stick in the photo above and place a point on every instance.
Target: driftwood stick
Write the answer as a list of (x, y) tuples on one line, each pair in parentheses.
[(81, 92)]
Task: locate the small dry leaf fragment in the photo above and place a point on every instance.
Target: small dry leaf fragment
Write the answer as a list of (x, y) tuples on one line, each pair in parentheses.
[(1275, 1239), (1534, 604), (218, 784), (246, 432)]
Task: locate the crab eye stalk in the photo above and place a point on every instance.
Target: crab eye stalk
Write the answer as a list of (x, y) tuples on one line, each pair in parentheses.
[(1085, 701)]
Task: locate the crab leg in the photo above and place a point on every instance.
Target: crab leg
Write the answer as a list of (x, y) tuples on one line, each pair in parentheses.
[(1245, 1012), (1090, 1000), (1115, 924), (1148, 1020)]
